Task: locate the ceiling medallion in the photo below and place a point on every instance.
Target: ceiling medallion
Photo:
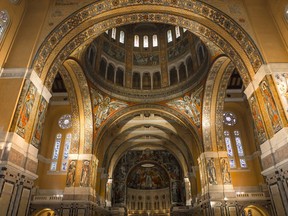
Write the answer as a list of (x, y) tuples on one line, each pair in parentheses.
[(65, 121)]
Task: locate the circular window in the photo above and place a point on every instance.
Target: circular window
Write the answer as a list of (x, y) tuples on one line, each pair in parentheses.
[(229, 118), (65, 121)]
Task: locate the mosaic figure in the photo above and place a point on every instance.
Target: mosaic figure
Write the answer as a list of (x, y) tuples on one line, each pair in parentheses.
[(281, 80), (271, 107), (225, 171), (257, 120), (26, 110), (40, 123), (85, 175), (191, 105), (103, 106), (211, 170), (71, 174)]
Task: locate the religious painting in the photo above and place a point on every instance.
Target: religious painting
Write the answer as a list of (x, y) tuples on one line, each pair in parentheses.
[(281, 81), (211, 171), (258, 123), (226, 177), (39, 123), (177, 192), (271, 107), (26, 111)]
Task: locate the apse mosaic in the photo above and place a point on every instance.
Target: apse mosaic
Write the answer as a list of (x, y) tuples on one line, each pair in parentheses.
[(147, 170)]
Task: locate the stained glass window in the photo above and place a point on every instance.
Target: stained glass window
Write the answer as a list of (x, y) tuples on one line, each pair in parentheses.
[(136, 41), (145, 41), (169, 36), (177, 31), (4, 19), (229, 149), (122, 37), (229, 118), (56, 151), (155, 41), (65, 121), (240, 149), (66, 150)]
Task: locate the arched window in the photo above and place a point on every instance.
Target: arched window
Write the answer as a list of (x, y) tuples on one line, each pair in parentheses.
[(91, 55), (173, 76), (113, 35), (136, 81), (122, 37), (177, 31), (64, 122), (156, 80), (201, 54), (4, 20), (233, 142), (169, 36), (119, 77), (102, 69), (155, 41), (56, 151), (136, 41), (182, 72), (110, 73), (146, 84), (66, 150), (145, 41), (189, 64)]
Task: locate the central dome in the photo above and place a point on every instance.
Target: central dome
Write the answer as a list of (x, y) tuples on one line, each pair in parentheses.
[(146, 61)]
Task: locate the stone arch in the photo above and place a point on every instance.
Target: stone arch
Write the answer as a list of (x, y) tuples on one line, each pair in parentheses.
[(84, 103), (202, 19)]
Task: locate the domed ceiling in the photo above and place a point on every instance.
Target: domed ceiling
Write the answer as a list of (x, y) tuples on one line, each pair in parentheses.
[(146, 62)]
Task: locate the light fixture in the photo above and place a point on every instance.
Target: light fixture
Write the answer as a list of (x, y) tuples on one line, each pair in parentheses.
[(286, 13)]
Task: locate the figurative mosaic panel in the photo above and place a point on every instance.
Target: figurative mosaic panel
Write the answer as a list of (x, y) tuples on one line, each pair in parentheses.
[(39, 123), (114, 51), (26, 111), (85, 175), (102, 106), (226, 177), (271, 107), (70, 179), (258, 122), (145, 59), (147, 170), (190, 105), (178, 50), (211, 171), (281, 81)]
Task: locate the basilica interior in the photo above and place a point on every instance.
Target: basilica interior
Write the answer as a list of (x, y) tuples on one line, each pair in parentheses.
[(144, 107)]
